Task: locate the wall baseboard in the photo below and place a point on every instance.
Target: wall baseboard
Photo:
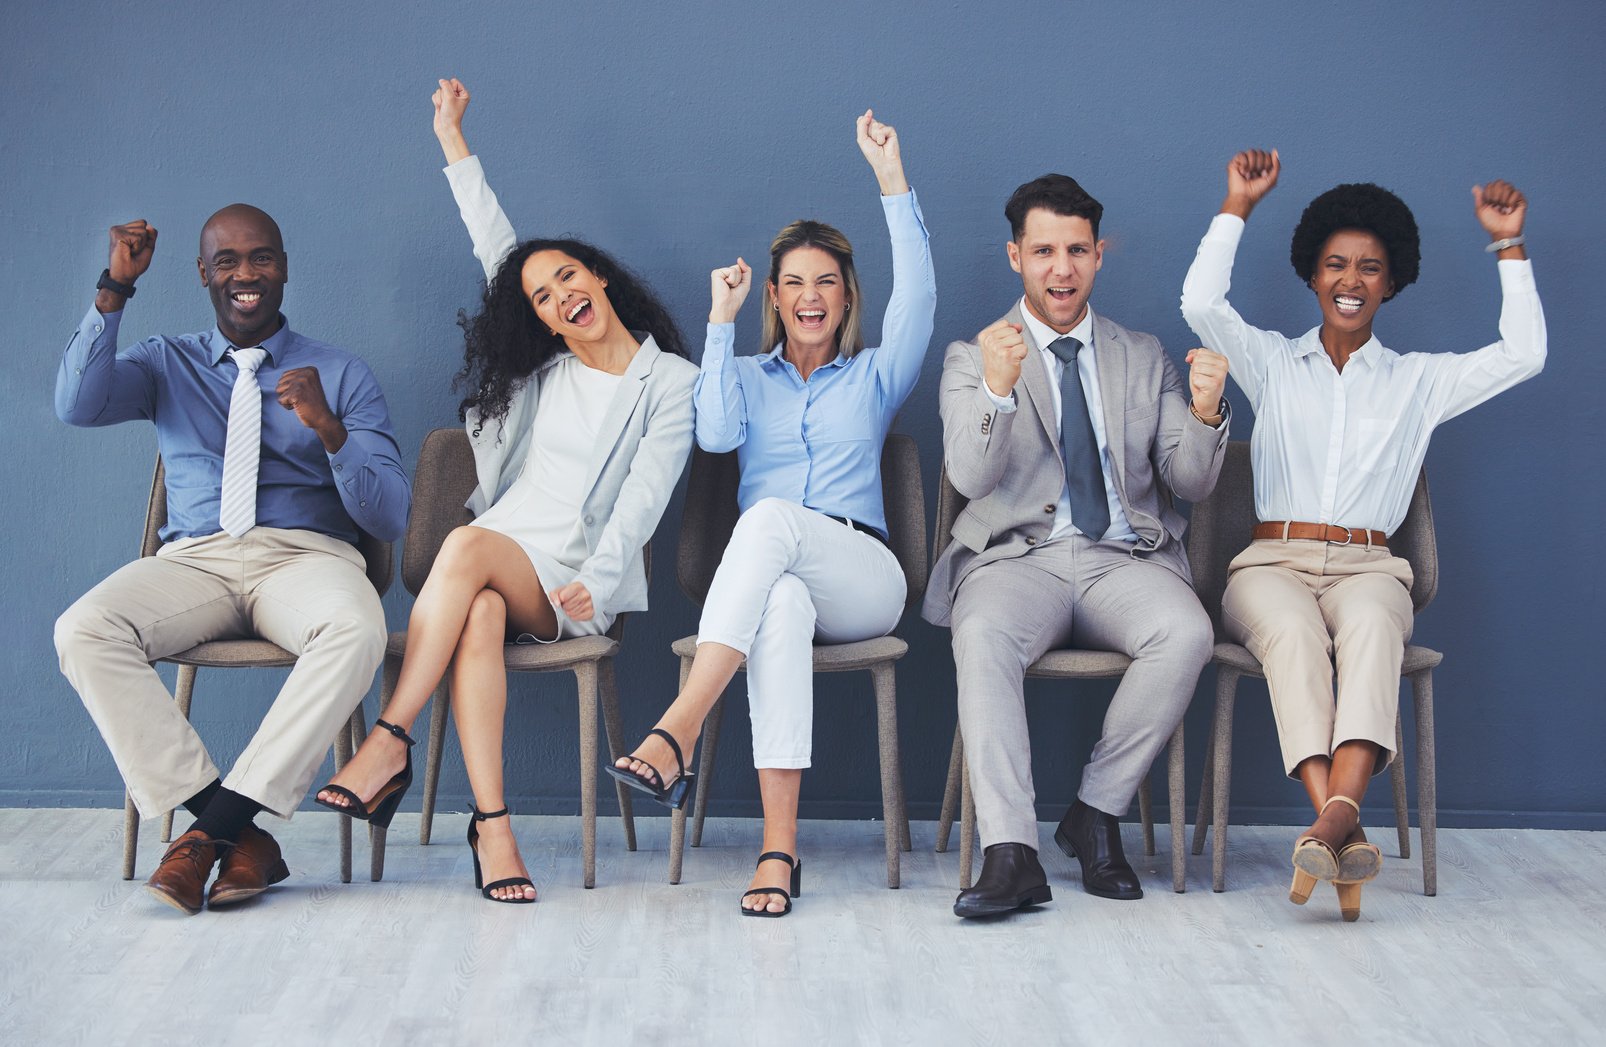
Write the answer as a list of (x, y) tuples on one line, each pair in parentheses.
[(1379, 815)]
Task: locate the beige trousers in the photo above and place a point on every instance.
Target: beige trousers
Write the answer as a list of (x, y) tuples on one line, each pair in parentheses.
[(304, 591), (1303, 608)]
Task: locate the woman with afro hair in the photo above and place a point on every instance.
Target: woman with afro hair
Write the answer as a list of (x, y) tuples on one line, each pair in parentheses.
[(579, 412), (1341, 430)]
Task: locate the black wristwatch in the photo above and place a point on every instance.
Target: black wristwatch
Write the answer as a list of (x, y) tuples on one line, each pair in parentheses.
[(106, 283)]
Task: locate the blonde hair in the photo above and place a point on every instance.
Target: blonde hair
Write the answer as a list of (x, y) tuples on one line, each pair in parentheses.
[(809, 233)]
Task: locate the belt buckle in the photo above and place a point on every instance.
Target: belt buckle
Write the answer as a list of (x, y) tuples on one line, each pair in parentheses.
[(1349, 538)]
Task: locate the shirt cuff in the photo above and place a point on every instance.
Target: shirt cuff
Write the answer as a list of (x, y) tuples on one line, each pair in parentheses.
[(1005, 404), (903, 215), (1516, 274), (717, 345), (464, 169), (1226, 227), (348, 461)]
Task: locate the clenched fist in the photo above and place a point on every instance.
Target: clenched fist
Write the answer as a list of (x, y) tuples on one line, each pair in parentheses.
[(1250, 176), (1501, 209), (450, 99), (133, 245), (573, 600), (1002, 351), (728, 288), (879, 144), (301, 390), (1207, 380)]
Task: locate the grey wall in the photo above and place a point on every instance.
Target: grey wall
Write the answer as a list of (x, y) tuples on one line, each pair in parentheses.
[(680, 135)]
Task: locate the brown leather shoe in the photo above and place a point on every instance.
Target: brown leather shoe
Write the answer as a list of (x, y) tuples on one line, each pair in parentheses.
[(181, 878), (248, 868)]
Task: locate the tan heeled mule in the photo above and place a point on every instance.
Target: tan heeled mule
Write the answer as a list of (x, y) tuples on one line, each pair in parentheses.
[(1315, 859)]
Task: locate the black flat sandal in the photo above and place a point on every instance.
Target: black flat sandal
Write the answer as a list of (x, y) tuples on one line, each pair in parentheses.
[(673, 795), (797, 885), (479, 881), (382, 807)]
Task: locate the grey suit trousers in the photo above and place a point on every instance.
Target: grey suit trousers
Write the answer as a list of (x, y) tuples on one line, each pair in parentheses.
[(1071, 592)]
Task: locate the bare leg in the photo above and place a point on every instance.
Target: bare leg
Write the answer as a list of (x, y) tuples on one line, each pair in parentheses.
[(1347, 774), (471, 560), (711, 670), (479, 706), (779, 788)]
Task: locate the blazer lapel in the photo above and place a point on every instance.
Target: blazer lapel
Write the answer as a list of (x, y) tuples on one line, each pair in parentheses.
[(1034, 376), (1110, 352), (623, 405)]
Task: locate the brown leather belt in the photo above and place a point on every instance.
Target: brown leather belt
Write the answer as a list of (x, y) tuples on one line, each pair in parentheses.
[(1313, 532)]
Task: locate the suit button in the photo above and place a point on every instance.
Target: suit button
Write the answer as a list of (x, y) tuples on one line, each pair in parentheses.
[(1049, 508), (1031, 541)]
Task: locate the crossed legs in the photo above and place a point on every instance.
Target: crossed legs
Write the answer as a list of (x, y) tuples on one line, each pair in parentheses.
[(481, 587)]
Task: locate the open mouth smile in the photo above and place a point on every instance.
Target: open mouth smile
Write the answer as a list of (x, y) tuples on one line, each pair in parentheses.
[(246, 301), (1348, 304), (810, 319), (1062, 294), (580, 314)]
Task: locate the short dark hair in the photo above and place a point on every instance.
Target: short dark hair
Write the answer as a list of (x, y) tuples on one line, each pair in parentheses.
[(1369, 208), (1053, 192)]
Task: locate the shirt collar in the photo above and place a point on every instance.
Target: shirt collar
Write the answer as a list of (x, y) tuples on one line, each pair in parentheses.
[(1311, 343), (1043, 334), (774, 356), (278, 346)]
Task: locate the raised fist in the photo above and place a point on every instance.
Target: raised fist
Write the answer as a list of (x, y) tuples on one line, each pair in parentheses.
[(131, 250), (1207, 379), (451, 98), (1002, 351), (301, 390), (1500, 206), (879, 144), (728, 288), (1250, 176)]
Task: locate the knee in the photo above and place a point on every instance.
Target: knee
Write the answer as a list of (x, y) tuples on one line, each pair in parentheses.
[(1184, 632), (81, 628), (1295, 634), (357, 629), (487, 617), (766, 518), (463, 546), (1373, 624), (788, 605), (978, 636)]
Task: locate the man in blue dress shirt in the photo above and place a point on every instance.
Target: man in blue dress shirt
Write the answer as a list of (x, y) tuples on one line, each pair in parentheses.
[(278, 448)]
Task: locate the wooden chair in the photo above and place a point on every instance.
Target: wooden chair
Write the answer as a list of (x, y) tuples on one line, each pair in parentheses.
[(1064, 664), (254, 653), (704, 534), (441, 485), (1219, 531)]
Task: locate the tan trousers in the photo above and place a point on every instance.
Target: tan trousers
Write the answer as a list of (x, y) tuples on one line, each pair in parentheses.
[(304, 591), (1305, 607)]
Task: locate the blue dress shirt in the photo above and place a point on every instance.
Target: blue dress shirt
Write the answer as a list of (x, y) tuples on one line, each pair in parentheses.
[(183, 383), (818, 443)]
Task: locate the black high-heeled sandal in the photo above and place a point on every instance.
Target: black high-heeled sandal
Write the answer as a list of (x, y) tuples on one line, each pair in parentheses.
[(381, 808), (673, 795), (797, 884), (479, 881)]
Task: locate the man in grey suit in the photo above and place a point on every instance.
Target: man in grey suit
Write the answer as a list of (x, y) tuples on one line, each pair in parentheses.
[(1070, 436)]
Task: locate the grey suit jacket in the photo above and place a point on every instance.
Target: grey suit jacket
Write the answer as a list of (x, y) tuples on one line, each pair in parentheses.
[(1010, 468)]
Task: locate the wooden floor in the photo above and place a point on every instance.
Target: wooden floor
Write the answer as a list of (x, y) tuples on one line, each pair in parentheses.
[(1512, 949)]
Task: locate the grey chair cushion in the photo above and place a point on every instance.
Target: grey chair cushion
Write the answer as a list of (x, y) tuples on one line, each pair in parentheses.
[(829, 658), (536, 657), (1238, 657), (237, 654), (1079, 665)]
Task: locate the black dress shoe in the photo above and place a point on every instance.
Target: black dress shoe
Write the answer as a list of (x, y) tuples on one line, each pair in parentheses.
[(1011, 878), (1094, 839)]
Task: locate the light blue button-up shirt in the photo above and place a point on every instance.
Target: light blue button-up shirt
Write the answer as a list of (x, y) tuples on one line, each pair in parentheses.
[(818, 443), (183, 383)]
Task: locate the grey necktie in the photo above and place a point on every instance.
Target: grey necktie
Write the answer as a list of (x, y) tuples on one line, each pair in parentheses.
[(1084, 476), (242, 446)]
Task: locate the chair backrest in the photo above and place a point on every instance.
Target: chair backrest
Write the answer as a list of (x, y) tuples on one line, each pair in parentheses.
[(1219, 529), (442, 483), (378, 557), (711, 514)]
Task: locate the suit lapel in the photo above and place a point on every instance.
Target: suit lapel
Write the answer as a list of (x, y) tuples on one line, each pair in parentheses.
[(623, 405), (1110, 352), (1035, 377)]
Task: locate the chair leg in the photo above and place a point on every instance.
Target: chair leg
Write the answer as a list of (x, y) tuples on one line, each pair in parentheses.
[(1427, 789), (1177, 789), (585, 676), (967, 828), (950, 792), (130, 835), (677, 818), (1402, 808), (184, 693), (343, 750), (884, 679), (376, 836), (1221, 789), (608, 690), (1146, 816), (1207, 784), (705, 768)]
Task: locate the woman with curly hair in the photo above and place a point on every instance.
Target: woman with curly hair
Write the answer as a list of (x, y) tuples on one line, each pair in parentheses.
[(580, 416), (1341, 429), (809, 555)]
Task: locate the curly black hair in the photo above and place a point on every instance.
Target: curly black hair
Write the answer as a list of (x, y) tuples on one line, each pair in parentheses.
[(1364, 206), (504, 343)]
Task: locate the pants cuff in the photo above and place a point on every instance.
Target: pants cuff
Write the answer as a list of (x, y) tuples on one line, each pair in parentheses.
[(781, 763)]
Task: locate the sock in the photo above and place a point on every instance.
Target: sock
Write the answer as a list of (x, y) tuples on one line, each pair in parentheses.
[(197, 803), (226, 815)]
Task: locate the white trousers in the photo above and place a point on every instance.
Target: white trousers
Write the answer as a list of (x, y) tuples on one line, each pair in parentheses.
[(789, 576)]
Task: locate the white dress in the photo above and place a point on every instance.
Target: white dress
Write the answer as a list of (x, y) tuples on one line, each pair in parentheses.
[(542, 509)]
